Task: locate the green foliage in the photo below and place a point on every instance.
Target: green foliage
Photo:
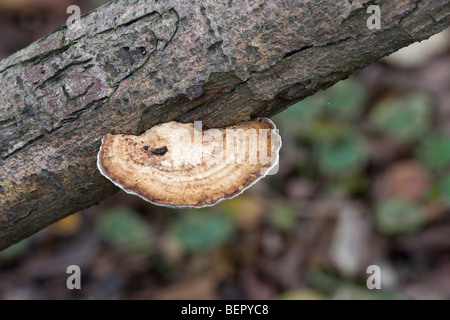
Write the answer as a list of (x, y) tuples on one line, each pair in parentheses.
[(344, 101), (398, 216), (323, 279), (435, 152), (321, 124), (307, 110), (202, 232), (342, 155), (125, 228), (302, 116), (405, 118)]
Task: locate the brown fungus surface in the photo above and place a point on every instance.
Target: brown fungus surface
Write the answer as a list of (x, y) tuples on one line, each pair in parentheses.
[(182, 165)]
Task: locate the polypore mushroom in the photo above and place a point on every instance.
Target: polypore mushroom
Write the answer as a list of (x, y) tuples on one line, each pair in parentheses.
[(184, 165)]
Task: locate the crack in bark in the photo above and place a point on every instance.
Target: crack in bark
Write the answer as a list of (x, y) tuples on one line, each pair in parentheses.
[(225, 91), (18, 220), (291, 53), (61, 71), (40, 57), (23, 147), (125, 24), (7, 122), (409, 13)]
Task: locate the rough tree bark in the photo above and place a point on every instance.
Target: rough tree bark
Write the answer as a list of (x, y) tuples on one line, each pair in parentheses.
[(132, 64)]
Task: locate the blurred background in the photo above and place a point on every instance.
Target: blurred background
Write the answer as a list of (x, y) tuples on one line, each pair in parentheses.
[(364, 179)]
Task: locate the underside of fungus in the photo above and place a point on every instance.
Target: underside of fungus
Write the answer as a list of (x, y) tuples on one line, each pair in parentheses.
[(184, 165)]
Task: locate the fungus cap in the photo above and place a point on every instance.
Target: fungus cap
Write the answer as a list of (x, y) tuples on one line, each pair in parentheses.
[(183, 165)]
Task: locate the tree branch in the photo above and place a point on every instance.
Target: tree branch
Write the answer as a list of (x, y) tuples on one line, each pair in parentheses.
[(132, 64)]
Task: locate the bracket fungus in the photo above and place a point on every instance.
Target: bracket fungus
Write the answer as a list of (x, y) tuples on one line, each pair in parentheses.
[(185, 165)]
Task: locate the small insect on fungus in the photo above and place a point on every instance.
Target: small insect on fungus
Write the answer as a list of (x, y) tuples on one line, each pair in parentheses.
[(188, 165)]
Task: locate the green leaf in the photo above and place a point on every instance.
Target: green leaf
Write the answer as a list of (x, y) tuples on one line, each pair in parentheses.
[(202, 232), (343, 101), (307, 110), (398, 216), (125, 228), (299, 118), (346, 100), (405, 118), (343, 155), (435, 152)]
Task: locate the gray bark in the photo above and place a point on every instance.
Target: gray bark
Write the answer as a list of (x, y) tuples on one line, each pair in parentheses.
[(132, 64)]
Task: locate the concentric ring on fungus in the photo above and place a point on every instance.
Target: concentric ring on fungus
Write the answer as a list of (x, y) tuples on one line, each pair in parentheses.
[(182, 165)]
